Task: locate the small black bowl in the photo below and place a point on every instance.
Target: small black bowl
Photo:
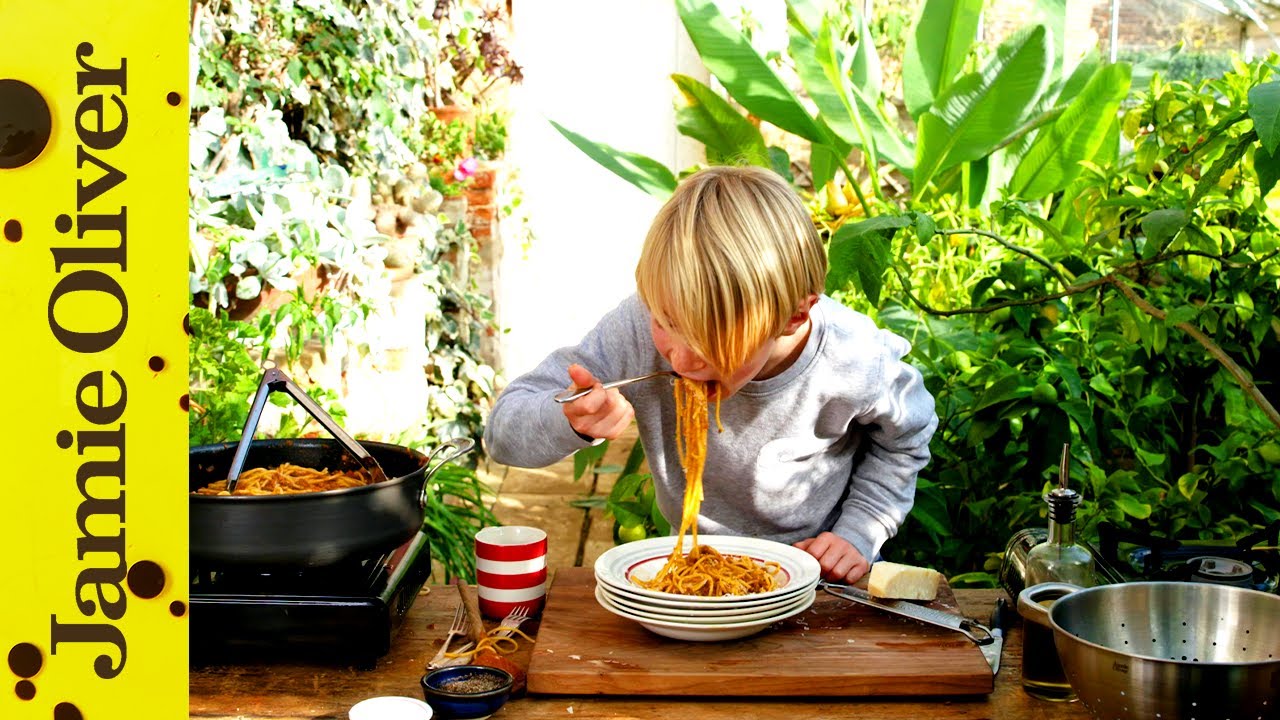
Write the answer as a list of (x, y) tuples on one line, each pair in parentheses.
[(441, 689)]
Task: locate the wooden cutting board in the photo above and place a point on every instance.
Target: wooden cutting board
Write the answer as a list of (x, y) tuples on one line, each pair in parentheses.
[(836, 648)]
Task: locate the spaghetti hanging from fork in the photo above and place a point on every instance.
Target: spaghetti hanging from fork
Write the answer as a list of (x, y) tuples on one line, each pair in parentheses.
[(499, 639)]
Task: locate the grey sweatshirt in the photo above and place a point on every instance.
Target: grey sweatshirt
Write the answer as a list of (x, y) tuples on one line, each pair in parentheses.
[(834, 442)]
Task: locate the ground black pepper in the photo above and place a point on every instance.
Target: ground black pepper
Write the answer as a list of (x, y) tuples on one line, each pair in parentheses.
[(468, 684)]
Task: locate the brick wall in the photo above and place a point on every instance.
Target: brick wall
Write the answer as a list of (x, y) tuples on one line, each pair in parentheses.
[(1143, 24)]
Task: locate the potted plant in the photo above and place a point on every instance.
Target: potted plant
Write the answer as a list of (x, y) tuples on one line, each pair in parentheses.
[(471, 58)]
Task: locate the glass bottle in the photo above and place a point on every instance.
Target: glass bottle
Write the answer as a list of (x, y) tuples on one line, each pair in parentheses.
[(1058, 559)]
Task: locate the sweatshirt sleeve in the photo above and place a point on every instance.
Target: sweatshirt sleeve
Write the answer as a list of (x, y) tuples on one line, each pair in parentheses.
[(526, 427), (897, 426)]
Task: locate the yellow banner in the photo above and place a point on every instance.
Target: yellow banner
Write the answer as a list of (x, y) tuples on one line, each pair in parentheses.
[(93, 358)]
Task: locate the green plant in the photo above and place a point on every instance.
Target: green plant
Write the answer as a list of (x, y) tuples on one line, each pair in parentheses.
[(457, 506), (631, 501), (471, 54), (1134, 317), (978, 122), (490, 136)]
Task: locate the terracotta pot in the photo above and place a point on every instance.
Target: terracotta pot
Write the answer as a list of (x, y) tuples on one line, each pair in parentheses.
[(449, 113)]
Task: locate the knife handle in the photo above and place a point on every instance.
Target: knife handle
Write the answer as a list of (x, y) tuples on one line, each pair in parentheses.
[(999, 616)]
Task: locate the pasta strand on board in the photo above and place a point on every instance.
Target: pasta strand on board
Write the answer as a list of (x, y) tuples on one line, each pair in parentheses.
[(704, 570)]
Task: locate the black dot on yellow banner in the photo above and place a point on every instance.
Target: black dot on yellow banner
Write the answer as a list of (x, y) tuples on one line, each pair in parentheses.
[(177, 608), (62, 223), (186, 324), (184, 402), (173, 99), (25, 690), (64, 439), (146, 579), (12, 230), (25, 123), (156, 363), (25, 660), (66, 711)]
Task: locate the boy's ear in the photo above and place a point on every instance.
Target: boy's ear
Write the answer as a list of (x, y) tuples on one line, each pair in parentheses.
[(801, 315)]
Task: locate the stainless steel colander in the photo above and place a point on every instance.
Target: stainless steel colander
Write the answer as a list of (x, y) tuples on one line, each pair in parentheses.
[(1166, 650)]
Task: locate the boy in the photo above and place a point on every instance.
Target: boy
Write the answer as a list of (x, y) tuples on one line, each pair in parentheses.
[(824, 425)]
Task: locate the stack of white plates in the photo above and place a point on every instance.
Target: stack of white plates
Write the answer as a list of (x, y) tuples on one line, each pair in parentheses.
[(690, 617)]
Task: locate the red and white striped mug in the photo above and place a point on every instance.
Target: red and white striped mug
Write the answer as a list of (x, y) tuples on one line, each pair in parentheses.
[(511, 569)]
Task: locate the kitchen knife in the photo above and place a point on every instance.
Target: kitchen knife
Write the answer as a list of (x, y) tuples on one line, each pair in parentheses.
[(969, 628), (999, 622)]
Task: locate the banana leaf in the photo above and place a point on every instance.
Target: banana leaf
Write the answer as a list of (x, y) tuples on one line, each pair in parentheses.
[(1050, 106), (937, 47), (748, 78), (644, 172), (824, 160), (708, 118), (1053, 160), (845, 106), (981, 109), (1264, 110)]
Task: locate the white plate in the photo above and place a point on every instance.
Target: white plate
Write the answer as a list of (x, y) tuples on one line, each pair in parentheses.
[(706, 633), (692, 617), (702, 609), (390, 707), (643, 558)]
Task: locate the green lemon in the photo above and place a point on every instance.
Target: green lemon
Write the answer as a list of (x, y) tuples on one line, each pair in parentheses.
[(1044, 394), (1270, 452), (630, 533)]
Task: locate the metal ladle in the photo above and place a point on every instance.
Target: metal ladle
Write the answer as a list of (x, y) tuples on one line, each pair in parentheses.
[(273, 380)]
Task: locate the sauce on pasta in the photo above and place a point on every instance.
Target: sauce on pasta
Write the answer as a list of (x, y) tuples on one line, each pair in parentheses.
[(704, 570)]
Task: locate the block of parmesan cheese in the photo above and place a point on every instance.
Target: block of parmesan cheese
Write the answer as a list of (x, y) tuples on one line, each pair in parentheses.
[(903, 582)]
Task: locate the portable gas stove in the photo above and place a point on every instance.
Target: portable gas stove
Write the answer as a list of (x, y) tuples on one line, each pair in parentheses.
[(1128, 556), (341, 614)]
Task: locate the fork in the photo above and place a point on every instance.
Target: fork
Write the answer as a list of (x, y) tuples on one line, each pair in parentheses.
[(506, 628), (456, 629), (571, 395)]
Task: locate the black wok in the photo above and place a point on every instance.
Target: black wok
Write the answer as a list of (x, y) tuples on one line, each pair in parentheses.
[(307, 529)]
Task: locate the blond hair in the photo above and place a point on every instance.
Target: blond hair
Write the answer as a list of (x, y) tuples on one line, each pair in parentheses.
[(728, 260)]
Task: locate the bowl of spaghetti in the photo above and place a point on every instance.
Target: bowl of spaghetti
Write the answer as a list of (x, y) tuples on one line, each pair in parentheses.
[(720, 570), (717, 595)]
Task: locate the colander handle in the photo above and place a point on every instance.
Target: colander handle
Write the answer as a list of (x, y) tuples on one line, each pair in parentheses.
[(1031, 610)]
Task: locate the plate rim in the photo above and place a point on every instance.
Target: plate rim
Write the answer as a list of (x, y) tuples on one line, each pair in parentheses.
[(602, 596), (606, 573)]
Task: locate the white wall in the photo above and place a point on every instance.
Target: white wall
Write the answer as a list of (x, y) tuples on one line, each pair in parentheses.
[(600, 68)]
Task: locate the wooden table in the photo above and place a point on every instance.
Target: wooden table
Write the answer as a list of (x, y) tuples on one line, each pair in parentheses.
[(314, 692)]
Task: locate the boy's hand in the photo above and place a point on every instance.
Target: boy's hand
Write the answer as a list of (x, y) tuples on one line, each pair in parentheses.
[(601, 414), (840, 560)]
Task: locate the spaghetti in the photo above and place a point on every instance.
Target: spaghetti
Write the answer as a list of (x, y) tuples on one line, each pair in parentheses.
[(704, 570), (289, 479)]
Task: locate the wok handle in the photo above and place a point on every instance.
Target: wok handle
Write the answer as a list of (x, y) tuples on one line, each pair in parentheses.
[(450, 450), (1031, 610)]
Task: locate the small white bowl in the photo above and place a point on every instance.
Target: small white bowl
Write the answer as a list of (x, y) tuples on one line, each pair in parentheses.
[(390, 707)]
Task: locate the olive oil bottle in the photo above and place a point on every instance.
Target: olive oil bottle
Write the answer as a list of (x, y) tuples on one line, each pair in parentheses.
[(1058, 559)]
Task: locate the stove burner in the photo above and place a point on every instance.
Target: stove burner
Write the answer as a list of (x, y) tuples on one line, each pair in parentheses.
[(345, 614), (1145, 556), (1221, 571), (1131, 555)]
